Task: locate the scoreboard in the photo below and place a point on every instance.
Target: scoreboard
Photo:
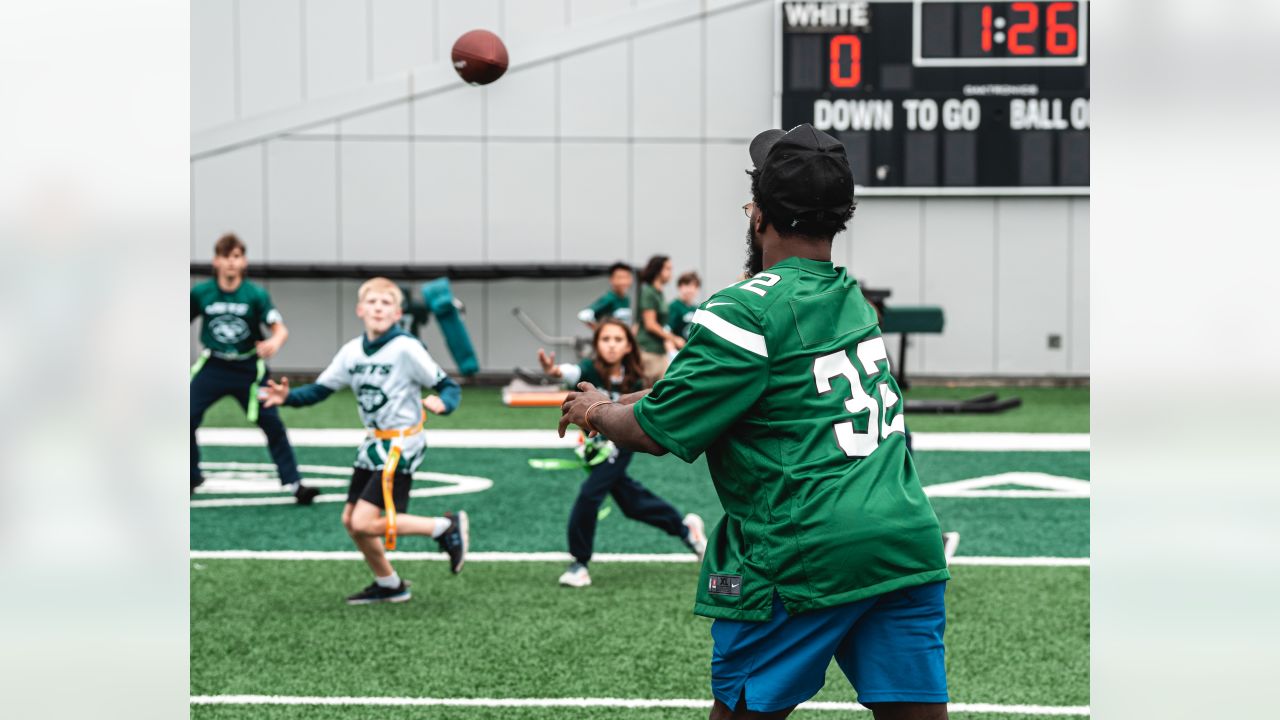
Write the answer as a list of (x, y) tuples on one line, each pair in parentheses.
[(934, 97)]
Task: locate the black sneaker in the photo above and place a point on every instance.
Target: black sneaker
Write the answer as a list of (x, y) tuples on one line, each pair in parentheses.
[(455, 541), (305, 494), (375, 593)]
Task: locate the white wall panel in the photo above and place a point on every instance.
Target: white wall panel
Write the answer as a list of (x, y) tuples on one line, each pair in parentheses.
[(403, 35), (1031, 284), (452, 113), (213, 64), (521, 202), (337, 46), (302, 193), (593, 202), (727, 188), (309, 309), (739, 55), (593, 93), (959, 275), (393, 120), (523, 103), (459, 16), (667, 92), (375, 202), (228, 198), (884, 249), (667, 193), (1078, 332), (529, 22), (509, 343), (270, 55), (448, 187), (584, 11)]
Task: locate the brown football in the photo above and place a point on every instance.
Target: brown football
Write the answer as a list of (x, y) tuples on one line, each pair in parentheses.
[(479, 57)]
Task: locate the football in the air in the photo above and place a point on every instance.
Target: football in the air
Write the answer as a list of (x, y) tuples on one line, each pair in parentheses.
[(479, 57)]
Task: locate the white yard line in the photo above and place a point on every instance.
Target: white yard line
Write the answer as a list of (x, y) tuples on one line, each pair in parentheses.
[(630, 703), (344, 437), (565, 557)]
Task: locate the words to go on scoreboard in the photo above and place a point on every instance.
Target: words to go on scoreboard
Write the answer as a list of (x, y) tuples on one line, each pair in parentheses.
[(935, 97)]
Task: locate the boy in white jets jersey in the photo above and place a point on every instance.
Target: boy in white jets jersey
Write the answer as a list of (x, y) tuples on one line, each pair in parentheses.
[(387, 369)]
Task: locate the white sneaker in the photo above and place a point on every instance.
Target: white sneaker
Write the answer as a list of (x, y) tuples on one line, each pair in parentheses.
[(950, 541), (576, 576), (697, 541)]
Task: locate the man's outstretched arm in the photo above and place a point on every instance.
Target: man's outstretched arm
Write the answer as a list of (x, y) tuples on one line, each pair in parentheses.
[(593, 411)]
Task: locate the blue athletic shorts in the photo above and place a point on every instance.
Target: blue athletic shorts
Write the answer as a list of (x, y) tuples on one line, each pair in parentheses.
[(889, 646)]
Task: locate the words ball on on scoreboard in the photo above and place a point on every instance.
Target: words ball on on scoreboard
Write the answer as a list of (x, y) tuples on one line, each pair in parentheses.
[(944, 96)]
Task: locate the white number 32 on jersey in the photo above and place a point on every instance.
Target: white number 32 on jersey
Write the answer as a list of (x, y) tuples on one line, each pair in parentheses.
[(879, 425)]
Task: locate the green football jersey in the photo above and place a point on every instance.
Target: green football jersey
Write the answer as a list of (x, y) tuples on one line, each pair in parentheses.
[(785, 385), (680, 317), (608, 304), (231, 323), (650, 299)]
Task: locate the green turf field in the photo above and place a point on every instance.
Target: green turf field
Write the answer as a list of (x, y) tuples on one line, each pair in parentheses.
[(1017, 634), (1043, 410)]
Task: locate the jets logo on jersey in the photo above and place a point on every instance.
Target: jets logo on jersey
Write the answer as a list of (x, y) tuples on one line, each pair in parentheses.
[(370, 398), (228, 329)]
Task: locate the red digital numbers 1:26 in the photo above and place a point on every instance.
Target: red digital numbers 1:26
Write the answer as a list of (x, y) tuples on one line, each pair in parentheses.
[(837, 74)]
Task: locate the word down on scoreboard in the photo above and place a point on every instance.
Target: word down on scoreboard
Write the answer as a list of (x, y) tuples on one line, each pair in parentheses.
[(943, 96)]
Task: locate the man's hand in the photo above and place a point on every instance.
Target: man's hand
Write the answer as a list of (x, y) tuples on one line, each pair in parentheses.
[(574, 409), (269, 347), (678, 342), (548, 363), (434, 404), (274, 393)]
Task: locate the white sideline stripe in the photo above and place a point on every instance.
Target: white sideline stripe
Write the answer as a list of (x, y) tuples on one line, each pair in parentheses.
[(351, 437), (565, 557), (745, 339), (595, 702)]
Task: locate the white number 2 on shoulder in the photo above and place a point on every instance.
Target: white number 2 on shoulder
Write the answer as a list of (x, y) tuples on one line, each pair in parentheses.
[(758, 283), (879, 425)]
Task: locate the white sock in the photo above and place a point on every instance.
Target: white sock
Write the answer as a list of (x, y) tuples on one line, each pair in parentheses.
[(291, 488), (390, 581), (441, 527)]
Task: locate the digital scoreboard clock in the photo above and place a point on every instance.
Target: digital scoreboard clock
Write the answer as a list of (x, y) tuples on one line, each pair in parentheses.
[(960, 97)]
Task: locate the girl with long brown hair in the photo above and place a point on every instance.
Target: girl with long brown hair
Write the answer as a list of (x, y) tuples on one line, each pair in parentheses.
[(615, 370)]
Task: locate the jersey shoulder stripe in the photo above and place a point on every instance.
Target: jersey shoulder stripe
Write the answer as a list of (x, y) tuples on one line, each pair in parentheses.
[(745, 339)]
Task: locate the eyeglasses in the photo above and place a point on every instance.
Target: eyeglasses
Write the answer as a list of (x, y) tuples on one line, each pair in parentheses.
[(748, 208)]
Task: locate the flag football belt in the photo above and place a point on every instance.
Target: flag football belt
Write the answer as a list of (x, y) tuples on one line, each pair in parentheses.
[(251, 407), (389, 474)]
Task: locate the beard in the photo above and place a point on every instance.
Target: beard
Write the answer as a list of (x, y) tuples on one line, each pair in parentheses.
[(755, 254)]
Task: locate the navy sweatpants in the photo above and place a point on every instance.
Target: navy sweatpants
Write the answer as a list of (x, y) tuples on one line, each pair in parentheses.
[(219, 378), (635, 500)]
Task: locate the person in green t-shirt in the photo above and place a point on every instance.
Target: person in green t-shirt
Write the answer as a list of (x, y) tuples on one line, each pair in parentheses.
[(829, 547), (233, 312), (616, 301), (615, 368), (680, 311), (652, 334)]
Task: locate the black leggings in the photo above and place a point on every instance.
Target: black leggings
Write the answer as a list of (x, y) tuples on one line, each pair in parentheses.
[(635, 500)]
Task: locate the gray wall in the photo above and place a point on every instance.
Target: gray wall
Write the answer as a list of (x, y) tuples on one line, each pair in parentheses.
[(627, 136)]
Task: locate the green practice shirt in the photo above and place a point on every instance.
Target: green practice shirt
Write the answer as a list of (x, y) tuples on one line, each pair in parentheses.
[(650, 299), (231, 323), (608, 304), (680, 317), (785, 385)]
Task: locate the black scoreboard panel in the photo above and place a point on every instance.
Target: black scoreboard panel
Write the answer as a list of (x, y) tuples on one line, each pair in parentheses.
[(933, 97)]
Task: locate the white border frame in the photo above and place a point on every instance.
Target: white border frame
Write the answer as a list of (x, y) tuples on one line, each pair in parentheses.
[(899, 191), (919, 60)]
